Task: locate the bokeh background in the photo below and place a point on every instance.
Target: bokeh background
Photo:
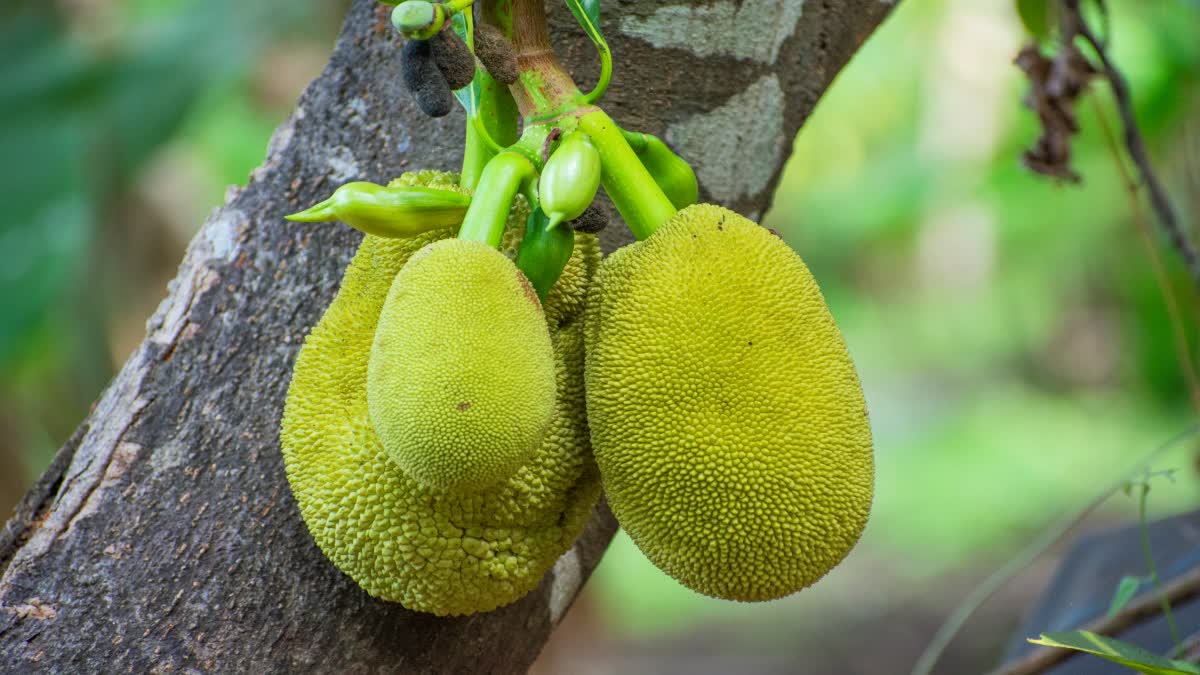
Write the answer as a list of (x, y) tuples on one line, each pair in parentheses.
[(1014, 338)]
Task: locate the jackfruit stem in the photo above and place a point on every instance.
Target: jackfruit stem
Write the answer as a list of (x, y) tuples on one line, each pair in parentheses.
[(635, 193), (494, 120), (546, 93), (544, 90), (503, 177)]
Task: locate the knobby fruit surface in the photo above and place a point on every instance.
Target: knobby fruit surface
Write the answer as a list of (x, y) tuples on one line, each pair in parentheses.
[(439, 551), (460, 381), (727, 418)]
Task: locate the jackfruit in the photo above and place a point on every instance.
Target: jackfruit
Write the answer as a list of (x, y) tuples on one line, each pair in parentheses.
[(460, 382), (437, 551), (727, 418)]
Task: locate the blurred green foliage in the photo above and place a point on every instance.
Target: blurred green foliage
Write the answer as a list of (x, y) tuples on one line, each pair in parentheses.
[(93, 91), (88, 98)]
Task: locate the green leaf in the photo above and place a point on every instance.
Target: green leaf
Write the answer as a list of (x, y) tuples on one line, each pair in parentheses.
[(1126, 589), (1117, 651), (592, 9), (587, 13), (1038, 17), (468, 96)]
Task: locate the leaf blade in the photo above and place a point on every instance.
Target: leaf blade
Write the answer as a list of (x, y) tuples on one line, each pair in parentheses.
[(1126, 589), (1117, 651)]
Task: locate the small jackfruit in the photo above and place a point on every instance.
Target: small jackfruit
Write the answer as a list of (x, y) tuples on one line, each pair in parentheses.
[(432, 550), (460, 382), (727, 418)]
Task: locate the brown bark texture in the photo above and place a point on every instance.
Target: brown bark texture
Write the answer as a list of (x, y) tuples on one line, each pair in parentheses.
[(164, 537)]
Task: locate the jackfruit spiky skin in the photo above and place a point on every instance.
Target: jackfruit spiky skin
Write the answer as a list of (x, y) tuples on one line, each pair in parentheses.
[(727, 418), (432, 550), (460, 383)]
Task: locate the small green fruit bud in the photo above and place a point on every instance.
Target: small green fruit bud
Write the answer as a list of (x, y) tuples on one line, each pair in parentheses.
[(413, 16), (570, 180)]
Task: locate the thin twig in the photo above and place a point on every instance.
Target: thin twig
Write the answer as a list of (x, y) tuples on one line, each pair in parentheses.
[(1164, 603), (1183, 350), (1178, 591), (1052, 534), (1136, 146)]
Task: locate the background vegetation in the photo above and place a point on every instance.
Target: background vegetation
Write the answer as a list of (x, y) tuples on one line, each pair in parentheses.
[(1015, 347)]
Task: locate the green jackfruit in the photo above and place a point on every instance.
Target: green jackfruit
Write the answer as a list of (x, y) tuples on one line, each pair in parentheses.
[(460, 383), (432, 550), (727, 418)]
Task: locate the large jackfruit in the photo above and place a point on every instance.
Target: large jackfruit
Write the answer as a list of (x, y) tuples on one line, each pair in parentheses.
[(433, 550), (727, 418), (460, 383)]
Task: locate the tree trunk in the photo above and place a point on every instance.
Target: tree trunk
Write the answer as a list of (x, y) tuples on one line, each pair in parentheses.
[(164, 536)]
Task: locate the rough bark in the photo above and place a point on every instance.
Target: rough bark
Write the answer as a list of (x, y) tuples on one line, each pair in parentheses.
[(164, 536)]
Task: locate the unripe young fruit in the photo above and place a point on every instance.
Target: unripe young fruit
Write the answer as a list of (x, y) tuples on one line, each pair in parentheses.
[(436, 551), (460, 383), (570, 179), (726, 416), (674, 175), (413, 16), (392, 211)]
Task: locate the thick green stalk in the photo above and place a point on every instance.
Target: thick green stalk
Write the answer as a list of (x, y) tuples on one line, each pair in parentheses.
[(544, 90), (504, 176), (642, 203), (496, 112), (476, 155)]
